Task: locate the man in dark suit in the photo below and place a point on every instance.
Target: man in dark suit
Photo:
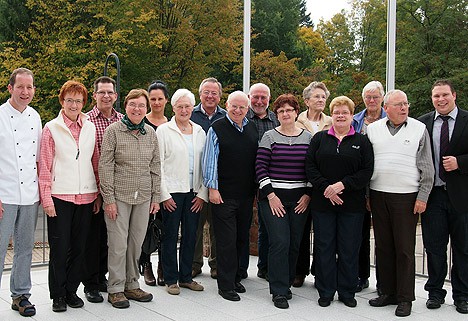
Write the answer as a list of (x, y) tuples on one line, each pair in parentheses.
[(447, 209)]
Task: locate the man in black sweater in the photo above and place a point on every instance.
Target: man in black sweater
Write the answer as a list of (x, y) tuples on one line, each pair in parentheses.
[(229, 173)]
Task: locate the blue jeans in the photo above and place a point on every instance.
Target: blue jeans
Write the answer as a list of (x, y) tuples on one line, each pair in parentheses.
[(188, 221), (19, 221), (439, 222), (285, 235), (336, 234), (263, 241)]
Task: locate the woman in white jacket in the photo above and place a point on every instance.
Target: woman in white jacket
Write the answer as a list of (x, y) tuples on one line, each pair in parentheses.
[(181, 144)]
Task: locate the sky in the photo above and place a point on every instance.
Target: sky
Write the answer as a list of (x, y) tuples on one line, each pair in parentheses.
[(325, 8)]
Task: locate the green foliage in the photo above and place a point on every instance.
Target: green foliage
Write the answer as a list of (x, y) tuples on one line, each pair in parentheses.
[(14, 16)]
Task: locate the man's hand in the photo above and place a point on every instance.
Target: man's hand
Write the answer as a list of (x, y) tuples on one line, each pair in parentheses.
[(111, 211), (450, 163), (154, 208), (215, 197), (1, 209), (419, 207)]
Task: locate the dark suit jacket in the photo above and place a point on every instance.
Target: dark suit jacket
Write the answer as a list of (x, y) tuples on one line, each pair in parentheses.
[(456, 181)]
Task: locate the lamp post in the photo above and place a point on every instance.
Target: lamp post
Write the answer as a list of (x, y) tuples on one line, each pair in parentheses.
[(246, 48), (391, 40)]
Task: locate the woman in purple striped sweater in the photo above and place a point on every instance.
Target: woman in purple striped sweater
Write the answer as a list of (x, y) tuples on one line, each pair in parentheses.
[(284, 198)]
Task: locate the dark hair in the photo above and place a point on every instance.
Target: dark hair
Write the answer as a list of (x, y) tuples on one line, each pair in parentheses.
[(104, 80), (161, 85), (443, 82), (73, 87), (289, 99), (18, 71)]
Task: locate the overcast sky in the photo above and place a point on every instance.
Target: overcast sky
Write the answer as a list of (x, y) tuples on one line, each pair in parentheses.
[(325, 8)]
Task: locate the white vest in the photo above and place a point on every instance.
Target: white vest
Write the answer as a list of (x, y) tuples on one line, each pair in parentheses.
[(395, 169), (72, 169)]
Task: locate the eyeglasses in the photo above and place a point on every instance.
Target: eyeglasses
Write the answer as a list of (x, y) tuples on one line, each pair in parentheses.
[(369, 98), (241, 108), (103, 93), (212, 93), (133, 105), (344, 113), (405, 104), (285, 111), (70, 101)]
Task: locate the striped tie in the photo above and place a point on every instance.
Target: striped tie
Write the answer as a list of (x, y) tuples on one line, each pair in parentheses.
[(444, 144)]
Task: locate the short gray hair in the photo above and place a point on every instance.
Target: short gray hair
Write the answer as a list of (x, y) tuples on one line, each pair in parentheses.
[(259, 84), (213, 80), (180, 93), (314, 85), (391, 93), (236, 94), (373, 86)]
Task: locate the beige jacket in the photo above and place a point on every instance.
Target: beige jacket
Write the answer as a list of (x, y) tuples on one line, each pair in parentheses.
[(303, 122)]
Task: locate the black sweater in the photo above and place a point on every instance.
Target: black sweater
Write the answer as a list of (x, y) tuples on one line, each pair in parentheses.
[(328, 162)]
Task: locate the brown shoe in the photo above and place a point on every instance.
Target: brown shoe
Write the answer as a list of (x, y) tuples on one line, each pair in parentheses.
[(194, 286), (196, 271), (23, 306), (149, 275), (160, 275), (173, 289), (214, 273), (118, 300), (298, 281), (138, 295)]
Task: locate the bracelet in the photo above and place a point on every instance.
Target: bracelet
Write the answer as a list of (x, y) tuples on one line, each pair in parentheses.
[(270, 198)]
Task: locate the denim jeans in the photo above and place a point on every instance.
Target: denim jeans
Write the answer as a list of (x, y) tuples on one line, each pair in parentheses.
[(18, 221), (188, 222)]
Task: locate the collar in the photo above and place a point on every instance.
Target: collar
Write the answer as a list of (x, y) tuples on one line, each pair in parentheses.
[(95, 112), (245, 121), (70, 123), (351, 132), (453, 114), (389, 123), (270, 115)]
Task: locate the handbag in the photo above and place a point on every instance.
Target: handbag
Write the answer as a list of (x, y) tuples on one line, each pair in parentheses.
[(154, 234)]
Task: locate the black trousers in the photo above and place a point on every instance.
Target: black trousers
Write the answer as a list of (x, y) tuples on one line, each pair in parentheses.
[(67, 234), (231, 226), (303, 266), (364, 251), (395, 239), (95, 261)]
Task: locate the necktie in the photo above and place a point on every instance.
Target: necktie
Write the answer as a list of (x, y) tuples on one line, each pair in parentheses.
[(444, 144)]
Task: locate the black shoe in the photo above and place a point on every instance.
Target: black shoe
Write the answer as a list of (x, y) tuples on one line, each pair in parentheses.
[(289, 294), (433, 303), (349, 302), (59, 304), (73, 300), (383, 300), (93, 296), (403, 309), (362, 284), (280, 301), (262, 274), (103, 286), (324, 302), (229, 295), (462, 306), (244, 274), (239, 288)]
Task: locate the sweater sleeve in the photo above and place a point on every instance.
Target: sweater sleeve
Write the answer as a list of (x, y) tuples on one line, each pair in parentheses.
[(262, 164)]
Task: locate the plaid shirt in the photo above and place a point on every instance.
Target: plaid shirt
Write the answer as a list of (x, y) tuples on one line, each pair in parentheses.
[(46, 161), (263, 124), (101, 122)]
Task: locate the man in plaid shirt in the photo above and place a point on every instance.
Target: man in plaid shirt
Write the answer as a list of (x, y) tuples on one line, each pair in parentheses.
[(102, 115)]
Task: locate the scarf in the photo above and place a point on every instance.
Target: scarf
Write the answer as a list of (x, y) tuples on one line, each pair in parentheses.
[(131, 126)]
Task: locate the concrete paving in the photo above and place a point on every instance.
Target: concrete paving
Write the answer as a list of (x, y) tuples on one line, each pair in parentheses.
[(208, 305)]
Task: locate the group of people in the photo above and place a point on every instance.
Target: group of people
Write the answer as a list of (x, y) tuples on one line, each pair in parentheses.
[(101, 175)]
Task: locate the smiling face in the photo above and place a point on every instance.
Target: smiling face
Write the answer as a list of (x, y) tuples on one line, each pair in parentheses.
[(341, 118), (259, 98), (210, 96), (136, 109), (443, 99), (397, 108), (316, 101), (183, 109), (22, 92), (237, 107), (157, 101), (72, 105), (105, 96)]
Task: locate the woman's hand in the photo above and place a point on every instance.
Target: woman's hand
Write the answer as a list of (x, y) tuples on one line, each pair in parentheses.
[(302, 204), (276, 206), (336, 200), (170, 205), (97, 204), (154, 208), (333, 190), (50, 211), (197, 204), (111, 211)]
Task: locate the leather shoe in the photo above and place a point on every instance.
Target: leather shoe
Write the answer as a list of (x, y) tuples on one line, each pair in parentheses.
[(462, 306), (196, 271), (298, 281), (383, 300), (149, 275), (239, 288), (214, 273), (434, 303), (73, 300), (324, 302), (93, 296), (362, 284), (403, 309), (59, 304), (103, 286), (160, 280), (349, 302), (289, 295), (229, 295), (280, 301)]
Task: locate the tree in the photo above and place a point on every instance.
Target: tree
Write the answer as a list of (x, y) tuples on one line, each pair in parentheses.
[(14, 16)]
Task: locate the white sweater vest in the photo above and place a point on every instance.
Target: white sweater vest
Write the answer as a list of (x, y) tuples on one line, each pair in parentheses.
[(395, 169), (72, 170)]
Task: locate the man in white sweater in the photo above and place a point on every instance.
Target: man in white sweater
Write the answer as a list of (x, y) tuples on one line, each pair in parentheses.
[(400, 186)]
